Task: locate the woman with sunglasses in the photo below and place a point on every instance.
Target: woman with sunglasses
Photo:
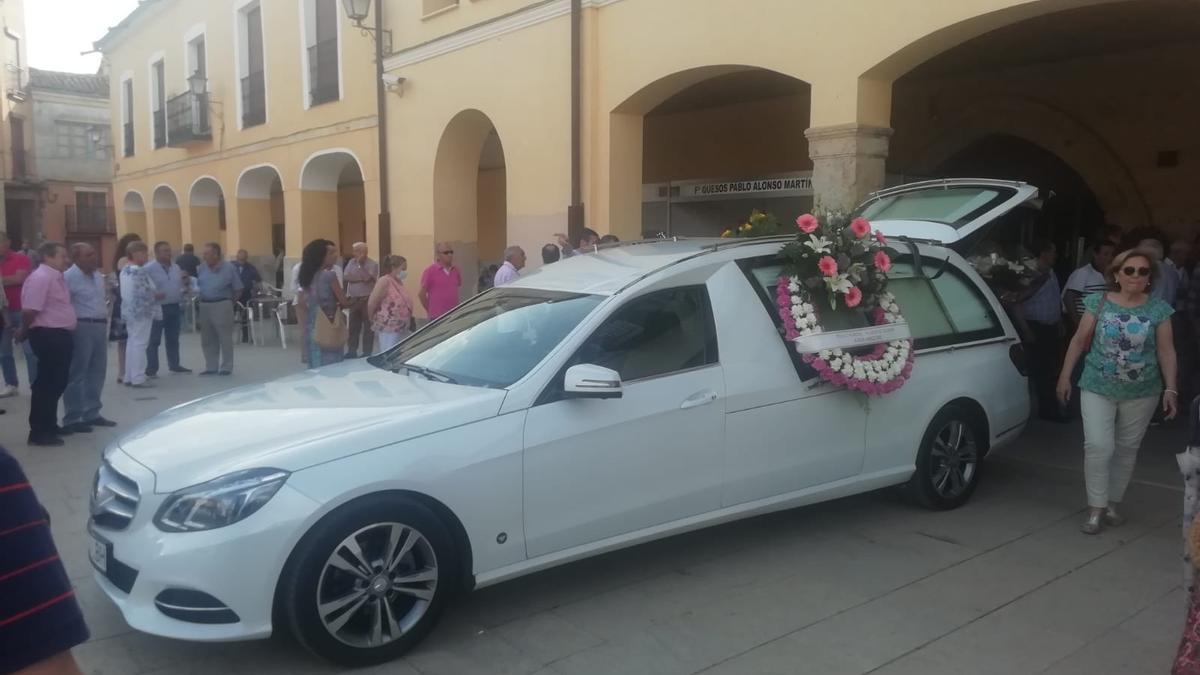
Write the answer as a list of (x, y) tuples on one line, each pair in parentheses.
[(1125, 340)]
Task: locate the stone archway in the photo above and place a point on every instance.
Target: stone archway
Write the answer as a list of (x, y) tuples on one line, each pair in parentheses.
[(719, 123), (333, 201), (133, 213), (206, 213), (166, 222), (470, 194), (260, 212), (1058, 132)]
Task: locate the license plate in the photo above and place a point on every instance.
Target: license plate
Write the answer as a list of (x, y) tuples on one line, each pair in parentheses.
[(98, 554)]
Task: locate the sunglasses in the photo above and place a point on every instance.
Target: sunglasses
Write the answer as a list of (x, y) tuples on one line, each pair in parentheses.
[(1136, 271), (446, 252)]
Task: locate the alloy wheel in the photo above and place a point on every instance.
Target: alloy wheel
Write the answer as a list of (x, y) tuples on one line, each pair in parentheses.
[(377, 585), (954, 459)]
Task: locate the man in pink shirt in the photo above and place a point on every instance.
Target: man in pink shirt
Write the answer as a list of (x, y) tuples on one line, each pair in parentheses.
[(440, 283), (47, 319)]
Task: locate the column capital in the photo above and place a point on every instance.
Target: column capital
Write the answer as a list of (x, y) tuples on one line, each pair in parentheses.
[(848, 140)]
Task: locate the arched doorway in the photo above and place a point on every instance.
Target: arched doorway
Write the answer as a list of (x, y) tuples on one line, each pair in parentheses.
[(332, 200), (133, 212), (1070, 213), (206, 213), (261, 223), (1095, 85), (470, 208), (695, 152), (166, 223)]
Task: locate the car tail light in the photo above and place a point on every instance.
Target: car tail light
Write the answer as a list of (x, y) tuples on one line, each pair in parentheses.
[(1019, 358)]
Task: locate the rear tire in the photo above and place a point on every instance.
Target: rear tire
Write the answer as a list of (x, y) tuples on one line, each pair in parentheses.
[(948, 461), (369, 581)]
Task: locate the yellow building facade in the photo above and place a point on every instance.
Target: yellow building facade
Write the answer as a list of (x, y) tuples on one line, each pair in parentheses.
[(276, 147), (690, 114)]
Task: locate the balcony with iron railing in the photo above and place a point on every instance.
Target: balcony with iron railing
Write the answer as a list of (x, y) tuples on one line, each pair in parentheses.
[(129, 139), (254, 100), (90, 219), (323, 72), (160, 128), (187, 120)]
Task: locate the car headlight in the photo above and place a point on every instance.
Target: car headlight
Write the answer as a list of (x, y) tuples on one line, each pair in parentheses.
[(219, 502)]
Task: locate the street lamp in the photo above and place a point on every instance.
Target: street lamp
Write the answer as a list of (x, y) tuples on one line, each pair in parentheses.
[(197, 83), (357, 11)]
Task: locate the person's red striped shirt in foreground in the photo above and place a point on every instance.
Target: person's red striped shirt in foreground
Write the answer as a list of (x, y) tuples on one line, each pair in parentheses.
[(40, 620)]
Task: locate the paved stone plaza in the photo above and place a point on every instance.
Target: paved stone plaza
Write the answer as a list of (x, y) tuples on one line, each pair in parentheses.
[(1004, 585)]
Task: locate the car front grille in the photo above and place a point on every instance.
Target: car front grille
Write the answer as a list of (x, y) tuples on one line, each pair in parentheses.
[(115, 498)]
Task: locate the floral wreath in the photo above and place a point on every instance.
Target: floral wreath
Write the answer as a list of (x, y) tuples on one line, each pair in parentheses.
[(847, 263)]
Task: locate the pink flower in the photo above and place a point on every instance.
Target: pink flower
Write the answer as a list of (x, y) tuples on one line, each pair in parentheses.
[(882, 262), (853, 296), (880, 238), (828, 266), (860, 227), (807, 223)]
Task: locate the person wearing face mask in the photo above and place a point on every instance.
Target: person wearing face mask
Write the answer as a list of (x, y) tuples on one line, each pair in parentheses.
[(389, 306), (1126, 343)]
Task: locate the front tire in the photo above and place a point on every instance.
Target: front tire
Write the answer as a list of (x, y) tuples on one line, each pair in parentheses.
[(948, 461), (368, 582)]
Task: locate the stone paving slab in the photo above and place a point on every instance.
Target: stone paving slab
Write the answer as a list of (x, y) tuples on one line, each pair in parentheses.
[(865, 584)]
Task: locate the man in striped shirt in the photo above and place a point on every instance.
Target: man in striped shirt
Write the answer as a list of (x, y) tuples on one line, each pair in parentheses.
[(1089, 279), (40, 620)]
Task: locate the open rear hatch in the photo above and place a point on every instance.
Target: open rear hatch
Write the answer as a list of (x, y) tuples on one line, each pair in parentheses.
[(955, 212)]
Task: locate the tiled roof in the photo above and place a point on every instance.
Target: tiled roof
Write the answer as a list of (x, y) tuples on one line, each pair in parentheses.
[(69, 83)]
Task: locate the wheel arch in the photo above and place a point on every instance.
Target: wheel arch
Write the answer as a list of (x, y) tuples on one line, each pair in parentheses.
[(458, 534), (978, 415)]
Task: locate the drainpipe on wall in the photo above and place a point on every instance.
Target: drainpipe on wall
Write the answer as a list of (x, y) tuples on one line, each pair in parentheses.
[(385, 215), (575, 210)]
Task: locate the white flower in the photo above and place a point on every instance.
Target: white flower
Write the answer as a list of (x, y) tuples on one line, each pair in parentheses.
[(818, 244), (825, 354), (808, 308), (847, 370), (797, 301), (838, 351), (839, 284), (793, 287)]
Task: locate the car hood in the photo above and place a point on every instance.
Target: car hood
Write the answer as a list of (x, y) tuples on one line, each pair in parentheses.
[(292, 423)]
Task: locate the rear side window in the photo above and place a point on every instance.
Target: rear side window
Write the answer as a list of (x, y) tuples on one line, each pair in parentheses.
[(941, 311)]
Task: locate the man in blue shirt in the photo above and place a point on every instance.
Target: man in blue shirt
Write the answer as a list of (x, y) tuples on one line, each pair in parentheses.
[(170, 279), (1042, 311), (89, 360), (218, 284)]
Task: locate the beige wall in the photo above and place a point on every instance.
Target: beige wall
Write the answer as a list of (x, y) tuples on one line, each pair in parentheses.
[(352, 217), (492, 208)]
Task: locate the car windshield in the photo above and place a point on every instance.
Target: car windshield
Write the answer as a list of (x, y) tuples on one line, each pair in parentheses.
[(494, 339), (954, 206)]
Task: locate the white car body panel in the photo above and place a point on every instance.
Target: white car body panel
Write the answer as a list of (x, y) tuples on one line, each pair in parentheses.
[(539, 484)]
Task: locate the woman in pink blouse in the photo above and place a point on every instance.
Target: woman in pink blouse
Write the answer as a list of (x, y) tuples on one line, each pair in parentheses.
[(389, 306)]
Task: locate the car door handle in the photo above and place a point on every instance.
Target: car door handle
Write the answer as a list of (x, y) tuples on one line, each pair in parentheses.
[(698, 399)]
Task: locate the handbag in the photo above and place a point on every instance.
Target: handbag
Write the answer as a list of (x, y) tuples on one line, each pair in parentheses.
[(330, 334)]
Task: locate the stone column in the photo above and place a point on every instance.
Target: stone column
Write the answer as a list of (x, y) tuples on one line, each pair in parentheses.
[(848, 163)]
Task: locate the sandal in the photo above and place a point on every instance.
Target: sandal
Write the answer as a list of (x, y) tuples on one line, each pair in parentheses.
[(1092, 525)]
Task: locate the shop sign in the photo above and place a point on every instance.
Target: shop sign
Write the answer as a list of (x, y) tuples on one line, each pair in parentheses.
[(784, 186)]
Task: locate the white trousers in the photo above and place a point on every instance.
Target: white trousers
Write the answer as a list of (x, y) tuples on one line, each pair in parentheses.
[(388, 340), (1112, 434), (135, 349)]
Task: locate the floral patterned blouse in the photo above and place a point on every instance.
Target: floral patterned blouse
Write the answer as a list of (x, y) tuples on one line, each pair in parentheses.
[(1123, 360), (137, 295)]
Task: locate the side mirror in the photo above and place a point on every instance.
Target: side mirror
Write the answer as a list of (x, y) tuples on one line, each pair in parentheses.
[(588, 381)]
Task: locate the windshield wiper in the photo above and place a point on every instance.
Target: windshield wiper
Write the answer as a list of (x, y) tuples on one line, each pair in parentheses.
[(428, 373)]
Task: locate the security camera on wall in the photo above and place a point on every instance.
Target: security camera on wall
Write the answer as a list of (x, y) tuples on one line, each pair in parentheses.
[(394, 83)]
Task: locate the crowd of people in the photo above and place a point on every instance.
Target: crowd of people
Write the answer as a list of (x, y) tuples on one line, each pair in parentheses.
[(64, 311)]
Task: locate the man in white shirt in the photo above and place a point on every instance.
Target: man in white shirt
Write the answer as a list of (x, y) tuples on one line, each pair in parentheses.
[(510, 271), (1089, 279)]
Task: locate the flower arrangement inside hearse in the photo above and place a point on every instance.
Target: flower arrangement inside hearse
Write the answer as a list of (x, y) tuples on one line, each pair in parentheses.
[(837, 260)]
